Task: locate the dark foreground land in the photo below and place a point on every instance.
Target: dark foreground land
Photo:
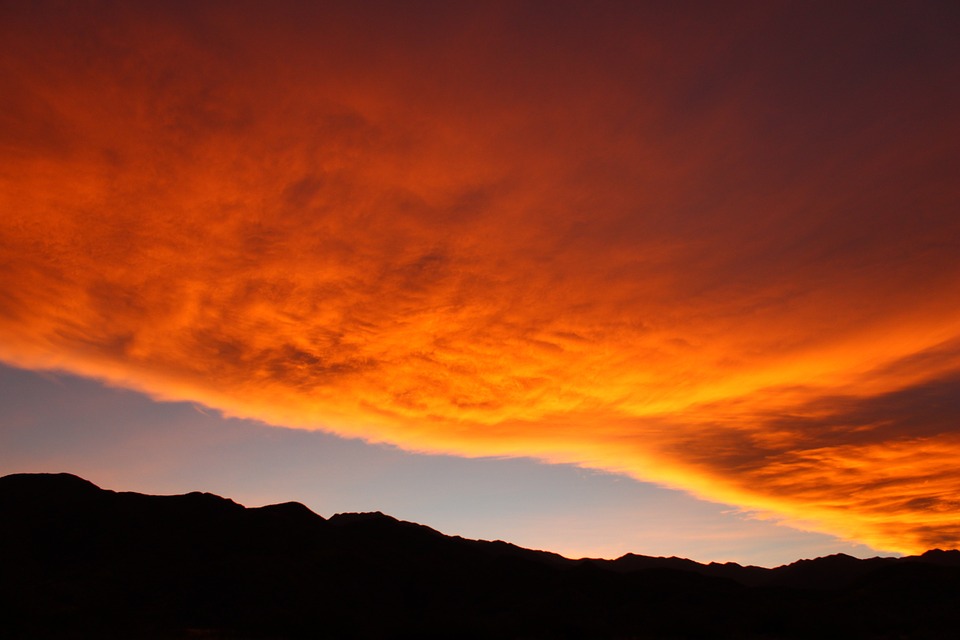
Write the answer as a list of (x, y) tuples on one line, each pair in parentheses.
[(81, 562)]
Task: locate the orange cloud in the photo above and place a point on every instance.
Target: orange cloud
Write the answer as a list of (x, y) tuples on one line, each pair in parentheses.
[(685, 248)]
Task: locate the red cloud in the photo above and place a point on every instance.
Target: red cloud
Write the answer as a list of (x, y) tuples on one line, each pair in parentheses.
[(696, 249)]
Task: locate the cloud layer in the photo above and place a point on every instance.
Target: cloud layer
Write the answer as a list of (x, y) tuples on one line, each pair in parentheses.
[(715, 250)]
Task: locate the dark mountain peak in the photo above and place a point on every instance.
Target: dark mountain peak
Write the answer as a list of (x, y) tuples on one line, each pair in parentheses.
[(504, 546), (204, 498), (51, 483), (375, 527), (195, 506), (38, 494), (840, 557), (352, 517), (732, 565), (949, 557), (290, 511), (836, 571), (834, 558), (634, 562), (824, 563), (501, 549), (377, 519)]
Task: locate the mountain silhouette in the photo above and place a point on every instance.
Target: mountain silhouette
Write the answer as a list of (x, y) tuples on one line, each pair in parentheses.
[(82, 562)]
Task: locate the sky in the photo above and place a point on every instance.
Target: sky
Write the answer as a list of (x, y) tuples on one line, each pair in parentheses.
[(675, 278)]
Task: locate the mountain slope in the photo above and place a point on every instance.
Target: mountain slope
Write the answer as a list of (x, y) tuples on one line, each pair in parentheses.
[(79, 561)]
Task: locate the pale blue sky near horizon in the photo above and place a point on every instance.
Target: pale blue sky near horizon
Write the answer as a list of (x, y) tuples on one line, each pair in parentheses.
[(125, 441)]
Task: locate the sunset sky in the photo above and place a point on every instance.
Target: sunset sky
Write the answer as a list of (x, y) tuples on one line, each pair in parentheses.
[(676, 278)]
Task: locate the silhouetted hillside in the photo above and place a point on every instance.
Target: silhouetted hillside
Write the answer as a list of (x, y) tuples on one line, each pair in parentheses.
[(81, 562)]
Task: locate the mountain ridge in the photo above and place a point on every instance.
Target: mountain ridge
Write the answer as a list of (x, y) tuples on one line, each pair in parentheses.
[(81, 561)]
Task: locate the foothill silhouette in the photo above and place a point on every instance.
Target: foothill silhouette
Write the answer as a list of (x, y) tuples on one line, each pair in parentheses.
[(82, 562)]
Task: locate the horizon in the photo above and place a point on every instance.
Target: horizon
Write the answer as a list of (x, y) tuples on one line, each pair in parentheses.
[(590, 277), (389, 516)]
